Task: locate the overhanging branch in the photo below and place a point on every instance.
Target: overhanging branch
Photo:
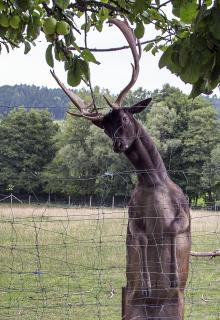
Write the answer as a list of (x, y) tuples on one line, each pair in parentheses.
[(122, 47)]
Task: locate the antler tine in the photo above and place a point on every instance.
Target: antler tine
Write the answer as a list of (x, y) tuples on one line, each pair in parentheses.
[(131, 39), (78, 102)]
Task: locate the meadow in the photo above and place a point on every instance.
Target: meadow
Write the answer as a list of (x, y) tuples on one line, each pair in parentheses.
[(69, 263)]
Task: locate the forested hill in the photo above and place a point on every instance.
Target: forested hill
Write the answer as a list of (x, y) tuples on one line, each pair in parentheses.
[(33, 97), (52, 99)]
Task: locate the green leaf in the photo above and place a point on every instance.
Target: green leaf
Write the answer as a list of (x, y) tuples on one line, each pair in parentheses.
[(84, 66), (139, 6), (176, 10), (191, 73), (170, 59), (197, 88), (88, 56), (86, 26), (184, 52), (69, 38), (62, 4), (68, 64), (165, 59), (99, 25), (188, 10), (214, 23), (3, 31), (154, 50), (27, 47), (33, 29), (49, 56), (139, 30), (148, 46)]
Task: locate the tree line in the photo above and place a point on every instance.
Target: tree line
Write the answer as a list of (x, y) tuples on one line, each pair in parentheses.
[(54, 100), (33, 97), (75, 158)]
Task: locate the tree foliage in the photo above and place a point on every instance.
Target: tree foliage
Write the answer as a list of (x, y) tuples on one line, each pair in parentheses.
[(210, 177), (26, 148), (85, 163), (78, 159), (189, 38), (185, 132), (33, 97)]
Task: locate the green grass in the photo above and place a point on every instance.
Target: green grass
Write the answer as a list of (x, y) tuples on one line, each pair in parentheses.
[(61, 264)]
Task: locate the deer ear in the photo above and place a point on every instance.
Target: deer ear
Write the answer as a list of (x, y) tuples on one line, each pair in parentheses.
[(98, 123), (139, 106)]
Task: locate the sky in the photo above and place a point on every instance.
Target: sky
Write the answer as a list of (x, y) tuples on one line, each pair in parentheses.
[(113, 73)]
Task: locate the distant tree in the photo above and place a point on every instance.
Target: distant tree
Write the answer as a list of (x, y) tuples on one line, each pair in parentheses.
[(137, 95), (186, 132), (33, 97), (27, 146), (211, 176), (85, 162), (202, 136)]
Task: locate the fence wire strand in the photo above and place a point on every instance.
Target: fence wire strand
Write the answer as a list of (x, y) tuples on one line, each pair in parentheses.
[(66, 261)]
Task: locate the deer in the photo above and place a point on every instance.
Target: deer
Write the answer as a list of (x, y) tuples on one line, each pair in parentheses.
[(158, 240)]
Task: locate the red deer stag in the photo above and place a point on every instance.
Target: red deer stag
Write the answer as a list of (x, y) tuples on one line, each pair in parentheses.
[(158, 233)]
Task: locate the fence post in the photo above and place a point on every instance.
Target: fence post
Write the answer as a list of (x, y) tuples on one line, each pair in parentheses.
[(90, 201), (123, 303), (29, 200), (113, 202), (69, 201)]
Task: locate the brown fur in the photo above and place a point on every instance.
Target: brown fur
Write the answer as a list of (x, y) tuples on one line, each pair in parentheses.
[(158, 234)]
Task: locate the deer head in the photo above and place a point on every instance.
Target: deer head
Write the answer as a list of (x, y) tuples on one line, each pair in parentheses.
[(119, 124)]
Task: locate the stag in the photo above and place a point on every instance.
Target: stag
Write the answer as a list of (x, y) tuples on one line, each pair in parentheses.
[(158, 233)]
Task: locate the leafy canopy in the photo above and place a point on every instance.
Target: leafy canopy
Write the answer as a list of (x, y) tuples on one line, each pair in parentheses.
[(27, 146), (189, 39)]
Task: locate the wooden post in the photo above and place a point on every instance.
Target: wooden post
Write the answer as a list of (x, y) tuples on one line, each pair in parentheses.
[(113, 202), (123, 303), (29, 200), (90, 201), (69, 201)]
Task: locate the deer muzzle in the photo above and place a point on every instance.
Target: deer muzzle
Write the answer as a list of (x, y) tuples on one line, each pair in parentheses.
[(119, 146)]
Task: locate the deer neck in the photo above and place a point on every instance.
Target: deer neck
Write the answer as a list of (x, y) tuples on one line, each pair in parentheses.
[(146, 159)]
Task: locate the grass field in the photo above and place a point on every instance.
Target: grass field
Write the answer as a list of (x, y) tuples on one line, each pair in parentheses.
[(62, 263)]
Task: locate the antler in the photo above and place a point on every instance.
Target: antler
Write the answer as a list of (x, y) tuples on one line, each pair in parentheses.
[(78, 102), (131, 39)]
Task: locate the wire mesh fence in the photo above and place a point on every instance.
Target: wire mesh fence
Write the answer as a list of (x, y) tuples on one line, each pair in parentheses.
[(63, 260)]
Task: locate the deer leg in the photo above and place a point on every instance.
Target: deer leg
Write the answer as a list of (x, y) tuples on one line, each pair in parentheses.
[(173, 267), (145, 272)]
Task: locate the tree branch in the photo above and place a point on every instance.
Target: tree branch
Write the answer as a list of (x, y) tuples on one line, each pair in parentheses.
[(164, 4), (211, 254), (120, 48), (84, 6)]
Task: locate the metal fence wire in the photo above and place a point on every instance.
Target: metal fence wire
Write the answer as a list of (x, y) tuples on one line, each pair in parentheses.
[(67, 261)]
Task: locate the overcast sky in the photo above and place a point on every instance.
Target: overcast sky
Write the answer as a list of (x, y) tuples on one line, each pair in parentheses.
[(113, 73)]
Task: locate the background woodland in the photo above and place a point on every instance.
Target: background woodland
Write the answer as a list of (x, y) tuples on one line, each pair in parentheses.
[(44, 150)]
